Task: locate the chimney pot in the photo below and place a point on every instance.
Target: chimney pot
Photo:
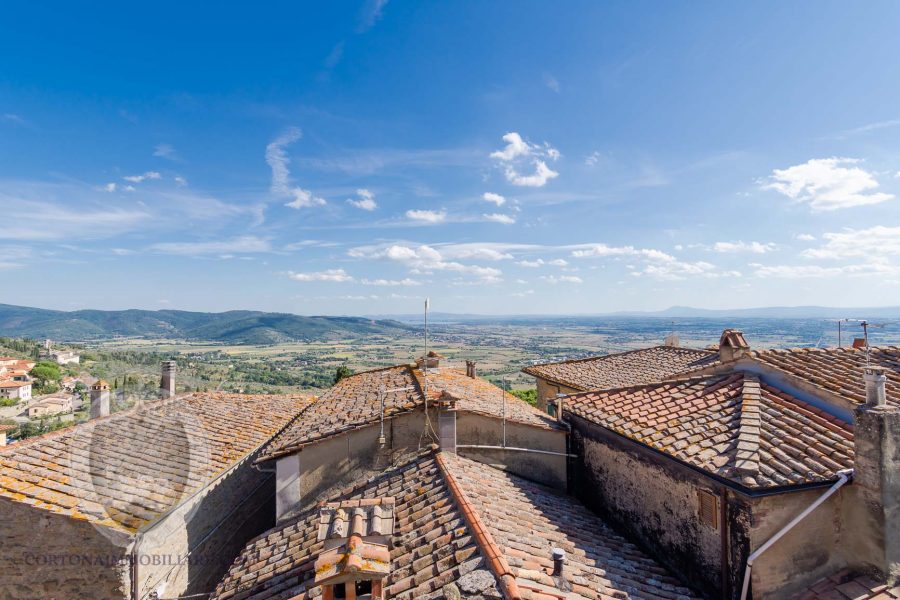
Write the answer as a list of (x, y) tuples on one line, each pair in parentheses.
[(732, 345), (875, 378), (560, 404), (167, 381), (559, 560), (470, 369)]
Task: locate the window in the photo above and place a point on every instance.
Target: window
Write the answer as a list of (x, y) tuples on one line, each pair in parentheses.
[(709, 509)]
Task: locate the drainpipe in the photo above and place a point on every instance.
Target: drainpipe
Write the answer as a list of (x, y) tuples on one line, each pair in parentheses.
[(843, 477)]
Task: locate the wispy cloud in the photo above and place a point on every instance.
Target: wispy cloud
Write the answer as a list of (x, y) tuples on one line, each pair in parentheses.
[(499, 218), (874, 243), (423, 259), (540, 262), (39, 220), (828, 184), (240, 245), (166, 151), (869, 127), (739, 246), (551, 82), (278, 161), (519, 153), (426, 216), (391, 282), (143, 177), (365, 200), (554, 279), (12, 118), (495, 198), (333, 275), (820, 272), (370, 14)]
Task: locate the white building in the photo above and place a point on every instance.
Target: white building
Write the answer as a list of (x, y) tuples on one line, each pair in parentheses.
[(15, 389)]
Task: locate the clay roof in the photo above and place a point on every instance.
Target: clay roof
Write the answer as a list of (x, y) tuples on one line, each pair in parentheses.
[(733, 426), (13, 384), (354, 402), (635, 367), (459, 520), (845, 585), (125, 470), (837, 370)]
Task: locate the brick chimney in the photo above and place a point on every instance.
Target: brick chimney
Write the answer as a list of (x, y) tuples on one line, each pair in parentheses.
[(167, 381), (877, 477), (732, 345), (99, 399), (432, 360), (470, 369)]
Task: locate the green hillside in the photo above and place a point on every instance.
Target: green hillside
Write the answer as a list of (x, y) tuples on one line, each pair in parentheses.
[(234, 327)]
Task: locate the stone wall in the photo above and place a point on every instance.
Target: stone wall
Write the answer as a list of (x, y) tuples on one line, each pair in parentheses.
[(46, 556), (808, 552), (657, 504), (548, 391), (190, 549)]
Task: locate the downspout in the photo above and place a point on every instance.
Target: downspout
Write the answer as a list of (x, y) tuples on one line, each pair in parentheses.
[(843, 477), (134, 565), (725, 537)]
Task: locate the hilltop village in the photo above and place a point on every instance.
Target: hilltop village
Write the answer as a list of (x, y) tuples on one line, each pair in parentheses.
[(662, 472)]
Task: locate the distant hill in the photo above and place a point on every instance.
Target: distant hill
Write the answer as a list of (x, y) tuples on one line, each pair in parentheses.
[(775, 312), (233, 327)]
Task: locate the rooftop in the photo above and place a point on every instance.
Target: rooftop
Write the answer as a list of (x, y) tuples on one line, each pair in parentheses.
[(458, 519), (174, 448), (732, 426), (847, 586), (354, 402), (635, 367)]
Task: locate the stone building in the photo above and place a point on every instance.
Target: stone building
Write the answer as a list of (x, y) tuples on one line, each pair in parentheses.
[(706, 466), (157, 499)]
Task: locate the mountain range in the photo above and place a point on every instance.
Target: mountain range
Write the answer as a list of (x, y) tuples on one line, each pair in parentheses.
[(234, 327)]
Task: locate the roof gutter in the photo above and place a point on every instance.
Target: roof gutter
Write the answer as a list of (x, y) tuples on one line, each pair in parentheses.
[(843, 477)]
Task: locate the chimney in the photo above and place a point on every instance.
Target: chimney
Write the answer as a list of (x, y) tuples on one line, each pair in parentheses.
[(447, 423), (167, 381), (732, 345), (559, 577), (99, 399), (470, 369), (560, 404), (877, 477)]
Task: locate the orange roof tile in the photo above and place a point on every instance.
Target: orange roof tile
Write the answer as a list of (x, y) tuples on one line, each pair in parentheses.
[(635, 367), (732, 426), (845, 585), (125, 470)]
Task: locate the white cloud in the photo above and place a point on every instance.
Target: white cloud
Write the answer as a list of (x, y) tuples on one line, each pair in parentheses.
[(805, 237), (365, 201), (523, 294), (110, 187), (875, 243), (495, 198), (562, 279), (391, 282), (423, 259), (41, 221), (166, 151), (427, 216), (181, 181), (304, 199), (592, 159), (278, 161), (370, 14), (739, 246), (551, 82), (500, 218), (241, 245), (334, 275), (540, 262), (542, 174), (144, 177), (828, 184), (818, 271), (519, 153), (657, 264), (12, 118)]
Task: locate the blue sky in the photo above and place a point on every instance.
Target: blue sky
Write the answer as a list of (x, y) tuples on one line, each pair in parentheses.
[(499, 157)]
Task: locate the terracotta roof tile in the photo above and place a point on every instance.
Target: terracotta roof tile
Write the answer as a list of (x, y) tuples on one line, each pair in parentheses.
[(125, 470), (732, 425), (354, 402), (636, 367), (847, 585), (515, 522)]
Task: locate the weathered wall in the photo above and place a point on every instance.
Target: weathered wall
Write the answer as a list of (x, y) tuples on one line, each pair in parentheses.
[(330, 464), (476, 429), (657, 504), (548, 391), (45, 556), (810, 551), (191, 548)]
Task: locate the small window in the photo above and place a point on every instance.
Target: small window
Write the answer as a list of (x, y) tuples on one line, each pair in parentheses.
[(709, 509)]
